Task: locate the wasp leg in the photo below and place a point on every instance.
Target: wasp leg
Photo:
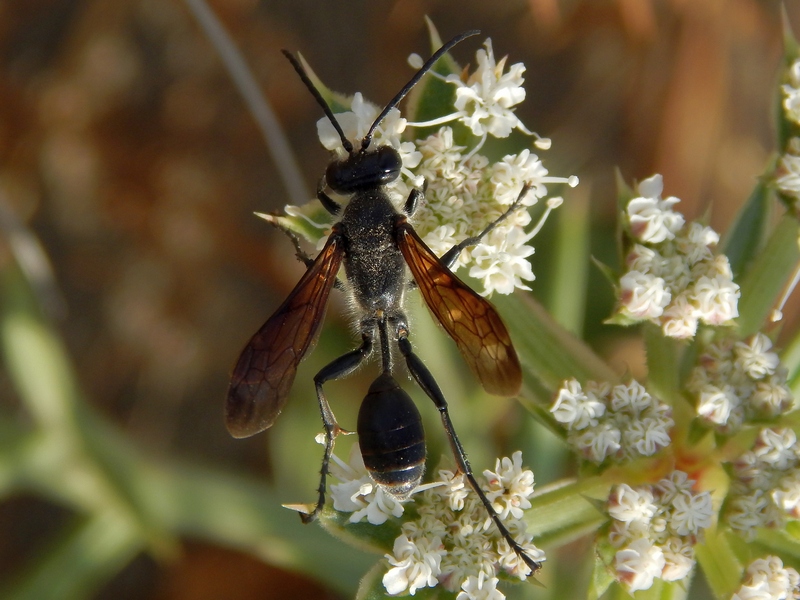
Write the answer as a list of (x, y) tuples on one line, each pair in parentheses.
[(341, 367), (425, 379), (449, 258)]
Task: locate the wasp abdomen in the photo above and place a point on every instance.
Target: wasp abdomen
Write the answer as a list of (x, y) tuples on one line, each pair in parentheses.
[(391, 437)]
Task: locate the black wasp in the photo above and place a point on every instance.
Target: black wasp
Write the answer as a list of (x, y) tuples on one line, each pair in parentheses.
[(377, 245)]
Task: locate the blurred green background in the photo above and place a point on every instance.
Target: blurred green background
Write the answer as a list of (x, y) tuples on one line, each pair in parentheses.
[(126, 151)]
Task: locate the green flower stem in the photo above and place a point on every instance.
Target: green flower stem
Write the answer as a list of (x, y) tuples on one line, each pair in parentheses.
[(722, 569)]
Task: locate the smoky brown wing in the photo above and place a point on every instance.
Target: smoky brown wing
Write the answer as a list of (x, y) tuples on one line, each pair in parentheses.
[(470, 319), (265, 371)]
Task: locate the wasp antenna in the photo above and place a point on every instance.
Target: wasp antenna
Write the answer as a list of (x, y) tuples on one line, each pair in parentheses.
[(414, 80), (348, 146)]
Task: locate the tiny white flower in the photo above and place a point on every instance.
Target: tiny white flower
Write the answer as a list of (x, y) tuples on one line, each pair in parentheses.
[(676, 483), (647, 436), (680, 319), (767, 579), (632, 398), (575, 408), (598, 442), (629, 504), (678, 559), (415, 564), (643, 296), (691, 513), (652, 219), (716, 404), (509, 175), (789, 180), (772, 397), (639, 564), (787, 494), (776, 448), (644, 259), (748, 511), (754, 357), (509, 486), (480, 588), (695, 243), (503, 267), (716, 299)]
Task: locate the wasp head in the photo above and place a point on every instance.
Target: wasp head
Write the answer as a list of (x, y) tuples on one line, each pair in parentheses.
[(364, 169)]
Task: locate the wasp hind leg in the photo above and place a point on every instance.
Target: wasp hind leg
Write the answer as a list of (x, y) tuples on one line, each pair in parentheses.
[(341, 367), (425, 379)]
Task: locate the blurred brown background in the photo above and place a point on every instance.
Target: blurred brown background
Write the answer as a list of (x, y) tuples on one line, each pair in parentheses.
[(125, 148)]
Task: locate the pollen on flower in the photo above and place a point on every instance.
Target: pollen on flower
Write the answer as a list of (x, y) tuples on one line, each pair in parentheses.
[(654, 529), (673, 278), (621, 422)]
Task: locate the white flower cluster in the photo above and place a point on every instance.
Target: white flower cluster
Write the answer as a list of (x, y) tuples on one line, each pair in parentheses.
[(622, 422), (465, 192), (655, 528), (767, 579), (673, 278), (736, 382), (788, 180), (453, 541), (765, 486)]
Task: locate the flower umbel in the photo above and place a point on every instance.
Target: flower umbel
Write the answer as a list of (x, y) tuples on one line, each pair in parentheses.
[(654, 529), (621, 422), (736, 382), (451, 541), (672, 277)]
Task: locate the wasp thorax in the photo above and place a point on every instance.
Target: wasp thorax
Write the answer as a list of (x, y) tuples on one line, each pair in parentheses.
[(364, 169), (391, 437)]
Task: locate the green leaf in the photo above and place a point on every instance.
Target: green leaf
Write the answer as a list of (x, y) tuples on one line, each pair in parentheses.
[(310, 221), (565, 511), (548, 352), (779, 542), (602, 573), (745, 237), (336, 101), (567, 294), (663, 363), (767, 275), (371, 586), (368, 537), (719, 563)]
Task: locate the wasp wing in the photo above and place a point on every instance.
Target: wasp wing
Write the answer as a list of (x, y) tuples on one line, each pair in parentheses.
[(265, 371), (471, 320)]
